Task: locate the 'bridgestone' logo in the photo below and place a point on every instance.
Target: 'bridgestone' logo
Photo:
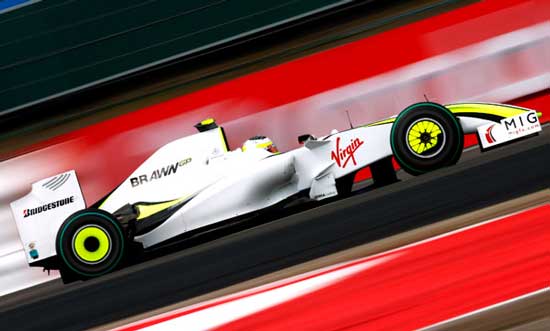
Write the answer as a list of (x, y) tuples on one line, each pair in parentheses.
[(48, 206), (159, 173)]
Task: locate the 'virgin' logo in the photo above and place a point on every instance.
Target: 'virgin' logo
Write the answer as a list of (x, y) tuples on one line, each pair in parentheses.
[(342, 155)]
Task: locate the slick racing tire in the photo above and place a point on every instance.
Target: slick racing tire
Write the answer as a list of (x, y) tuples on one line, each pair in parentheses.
[(89, 243), (426, 136)]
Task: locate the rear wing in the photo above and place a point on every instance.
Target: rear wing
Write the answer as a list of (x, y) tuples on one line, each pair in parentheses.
[(39, 214)]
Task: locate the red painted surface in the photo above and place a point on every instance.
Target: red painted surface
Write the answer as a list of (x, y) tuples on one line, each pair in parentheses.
[(428, 283), (105, 153), (411, 287)]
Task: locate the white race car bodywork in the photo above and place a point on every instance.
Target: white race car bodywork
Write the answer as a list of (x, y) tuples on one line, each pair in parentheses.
[(246, 182), (202, 183)]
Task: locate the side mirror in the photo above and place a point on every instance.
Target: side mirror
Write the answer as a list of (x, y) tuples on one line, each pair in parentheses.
[(305, 137)]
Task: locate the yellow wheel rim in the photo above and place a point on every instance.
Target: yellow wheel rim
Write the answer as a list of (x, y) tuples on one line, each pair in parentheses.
[(423, 135), (96, 234)]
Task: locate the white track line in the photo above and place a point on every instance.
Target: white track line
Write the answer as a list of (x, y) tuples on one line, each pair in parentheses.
[(500, 304)]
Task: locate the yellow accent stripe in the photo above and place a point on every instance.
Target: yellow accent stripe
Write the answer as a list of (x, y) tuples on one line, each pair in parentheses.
[(224, 143), (386, 121), (103, 203), (148, 210), (486, 108)]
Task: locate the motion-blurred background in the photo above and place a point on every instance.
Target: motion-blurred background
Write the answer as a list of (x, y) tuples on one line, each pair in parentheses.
[(97, 86)]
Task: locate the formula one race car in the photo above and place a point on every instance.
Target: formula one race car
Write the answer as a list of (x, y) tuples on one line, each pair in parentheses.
[(196, 181)]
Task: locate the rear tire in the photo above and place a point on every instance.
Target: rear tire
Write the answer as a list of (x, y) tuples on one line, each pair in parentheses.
[(90, 243), (426, 136)]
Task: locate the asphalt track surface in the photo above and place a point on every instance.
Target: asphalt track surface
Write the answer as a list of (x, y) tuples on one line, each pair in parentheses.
[(523, 313), (232, 256)]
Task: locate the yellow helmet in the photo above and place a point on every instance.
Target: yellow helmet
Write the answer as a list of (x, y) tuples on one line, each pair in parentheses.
[(260, 142)]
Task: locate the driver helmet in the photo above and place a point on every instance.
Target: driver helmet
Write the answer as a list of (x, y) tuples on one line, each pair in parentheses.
[(259, 142)]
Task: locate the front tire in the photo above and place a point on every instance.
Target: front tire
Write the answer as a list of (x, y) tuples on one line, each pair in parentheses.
[(90, 243), (426, 136)]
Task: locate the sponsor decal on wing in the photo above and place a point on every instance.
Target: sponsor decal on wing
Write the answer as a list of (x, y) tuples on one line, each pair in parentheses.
[(508, 129), (489, 135), (48, 206)]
